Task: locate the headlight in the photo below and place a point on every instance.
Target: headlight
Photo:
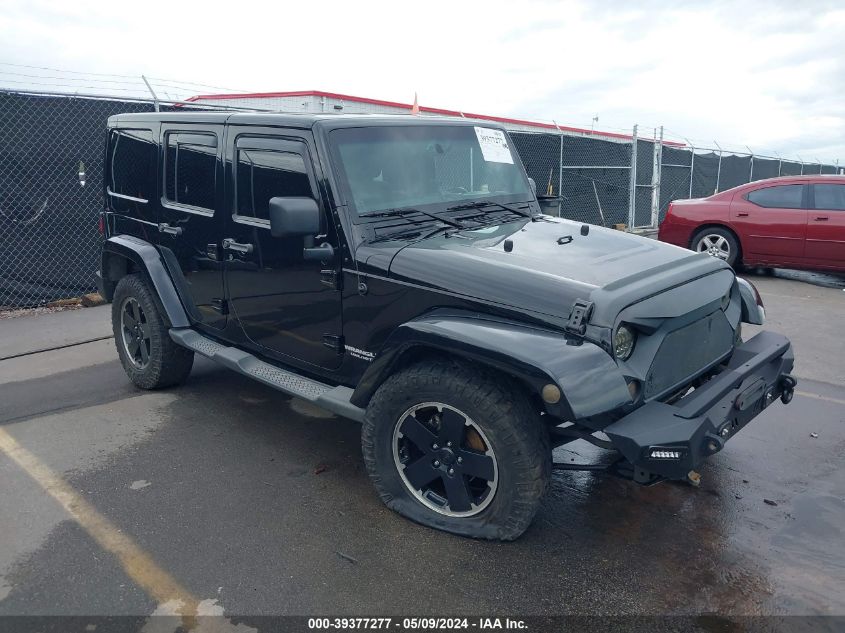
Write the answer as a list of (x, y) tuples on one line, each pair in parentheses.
[(623, 342)]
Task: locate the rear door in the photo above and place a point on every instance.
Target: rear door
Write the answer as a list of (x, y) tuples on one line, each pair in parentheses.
[(285, 305), (191, 216), (773, 222), (826, 226), (131, 167)]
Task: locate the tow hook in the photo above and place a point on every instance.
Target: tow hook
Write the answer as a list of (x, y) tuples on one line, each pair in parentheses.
[(713, 443), (694, 478), (788, 384)]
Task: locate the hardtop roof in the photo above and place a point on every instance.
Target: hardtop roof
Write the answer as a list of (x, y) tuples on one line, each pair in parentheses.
[(288, 119)]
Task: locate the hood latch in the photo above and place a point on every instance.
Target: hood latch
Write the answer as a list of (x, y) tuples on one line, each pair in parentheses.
[(579, 316)]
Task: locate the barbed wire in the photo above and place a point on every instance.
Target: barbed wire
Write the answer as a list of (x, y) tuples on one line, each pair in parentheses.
[(72, 72), (62, 78)]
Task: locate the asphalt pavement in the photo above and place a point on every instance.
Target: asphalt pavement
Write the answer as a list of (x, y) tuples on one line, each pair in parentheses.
[(228, 493)]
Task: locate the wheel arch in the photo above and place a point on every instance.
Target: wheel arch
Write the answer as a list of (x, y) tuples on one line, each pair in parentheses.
[(419, 352), (123, 255), (587, 376)]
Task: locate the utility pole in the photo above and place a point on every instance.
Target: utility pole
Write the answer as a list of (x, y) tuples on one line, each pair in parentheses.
[(718, 167), (751, 153), (559, 172), (691, 165), (632, 189), (655, 179)]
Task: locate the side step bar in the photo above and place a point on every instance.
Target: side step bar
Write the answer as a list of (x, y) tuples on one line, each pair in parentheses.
[(334, 399)]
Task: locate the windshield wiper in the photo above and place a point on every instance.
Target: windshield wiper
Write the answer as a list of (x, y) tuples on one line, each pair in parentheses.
[(448, 224), (421, 231), (480, 204), (406, 211)]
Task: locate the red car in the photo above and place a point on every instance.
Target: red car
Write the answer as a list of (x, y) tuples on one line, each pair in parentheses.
[(789, 222)]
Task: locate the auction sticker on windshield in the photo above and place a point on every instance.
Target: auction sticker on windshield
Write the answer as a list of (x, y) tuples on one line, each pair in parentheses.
[(494, 145)]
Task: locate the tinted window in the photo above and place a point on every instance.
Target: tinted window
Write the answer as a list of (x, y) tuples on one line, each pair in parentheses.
[(783, 197), (133, 155), (830, 197), (190, 169), (263, 174)]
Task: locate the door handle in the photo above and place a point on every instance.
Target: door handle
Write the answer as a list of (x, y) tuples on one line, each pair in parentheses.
[(742, 215), (170, 230), (231, 245), (821, 218)]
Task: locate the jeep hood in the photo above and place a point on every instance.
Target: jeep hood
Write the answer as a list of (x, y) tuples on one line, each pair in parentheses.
[(544, 266)]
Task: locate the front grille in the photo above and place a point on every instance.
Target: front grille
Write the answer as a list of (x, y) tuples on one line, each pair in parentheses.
[(687, 351)]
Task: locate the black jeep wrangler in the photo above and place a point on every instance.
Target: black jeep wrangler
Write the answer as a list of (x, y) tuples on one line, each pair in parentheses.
[(398, 271)]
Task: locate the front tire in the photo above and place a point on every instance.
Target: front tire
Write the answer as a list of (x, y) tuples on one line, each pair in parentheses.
[(456, 449), (149, 356)]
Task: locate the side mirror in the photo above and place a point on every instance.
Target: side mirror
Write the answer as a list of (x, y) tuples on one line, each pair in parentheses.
[(291, 217), (533, 186)]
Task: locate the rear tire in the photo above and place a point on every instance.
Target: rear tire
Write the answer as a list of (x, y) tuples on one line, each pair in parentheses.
[(718, 242), (488, 481), (149, 356)]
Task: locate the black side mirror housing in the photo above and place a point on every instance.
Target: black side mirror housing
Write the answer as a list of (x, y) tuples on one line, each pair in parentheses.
[(291, 217)]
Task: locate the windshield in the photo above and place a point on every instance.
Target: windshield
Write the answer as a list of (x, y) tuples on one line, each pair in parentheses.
[(392, 167)]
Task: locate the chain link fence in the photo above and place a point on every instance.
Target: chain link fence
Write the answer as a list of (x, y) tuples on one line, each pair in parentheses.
[(697, 172), (631, 182), (51, 144), (51, 171), (582, 178), (49, 147)]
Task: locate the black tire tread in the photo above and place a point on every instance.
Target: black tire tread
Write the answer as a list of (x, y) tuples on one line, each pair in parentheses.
[(170, 363), (525, 439)]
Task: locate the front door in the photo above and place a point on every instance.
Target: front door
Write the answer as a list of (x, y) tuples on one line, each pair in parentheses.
[(773, 221), (191, 216), (826, 226), (285, 305)]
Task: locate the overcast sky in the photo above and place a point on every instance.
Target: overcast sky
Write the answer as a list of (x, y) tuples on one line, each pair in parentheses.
[(769, 75)]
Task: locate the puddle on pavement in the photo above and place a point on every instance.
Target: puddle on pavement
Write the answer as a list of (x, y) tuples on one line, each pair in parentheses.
[(808, 549), (681, 534)]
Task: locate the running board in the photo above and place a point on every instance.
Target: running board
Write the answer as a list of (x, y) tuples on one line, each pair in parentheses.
[(334, 399)]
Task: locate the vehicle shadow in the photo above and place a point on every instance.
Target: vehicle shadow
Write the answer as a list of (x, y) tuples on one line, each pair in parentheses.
[(822, 279)]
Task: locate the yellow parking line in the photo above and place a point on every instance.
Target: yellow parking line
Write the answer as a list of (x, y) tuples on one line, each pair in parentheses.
[(137, 564), (818, 397)]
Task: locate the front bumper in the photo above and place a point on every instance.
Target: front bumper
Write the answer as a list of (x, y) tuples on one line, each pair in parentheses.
[(670, 440)]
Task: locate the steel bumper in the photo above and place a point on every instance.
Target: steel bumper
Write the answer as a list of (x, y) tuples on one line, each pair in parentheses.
[(670, 440)]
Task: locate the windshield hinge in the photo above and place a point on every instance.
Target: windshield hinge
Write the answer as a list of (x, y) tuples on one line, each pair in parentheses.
[(579, 316)]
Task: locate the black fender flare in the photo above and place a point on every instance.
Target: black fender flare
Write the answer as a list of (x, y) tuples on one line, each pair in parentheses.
[(150, 262), (586, 374)]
